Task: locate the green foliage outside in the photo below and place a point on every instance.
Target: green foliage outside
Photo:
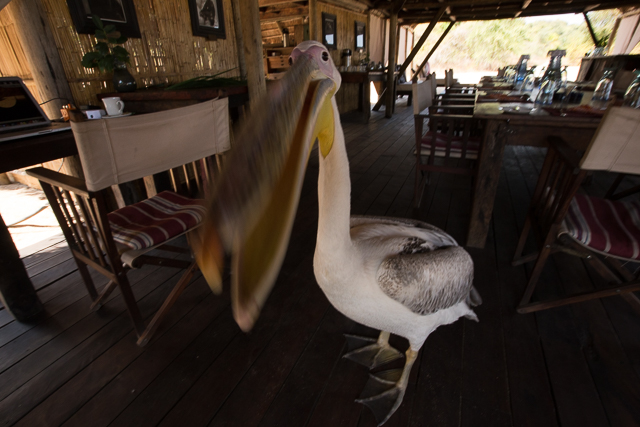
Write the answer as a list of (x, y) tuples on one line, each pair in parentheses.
[(488, 45)]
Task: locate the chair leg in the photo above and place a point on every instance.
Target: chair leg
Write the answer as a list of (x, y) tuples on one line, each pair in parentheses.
[(533, 280), (130, 302), (106, 291), (86, 278), (517, 256), (168, 303), (420, 184)]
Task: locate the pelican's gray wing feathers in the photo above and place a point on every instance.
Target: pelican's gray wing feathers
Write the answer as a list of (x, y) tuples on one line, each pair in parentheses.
[(426, 282)]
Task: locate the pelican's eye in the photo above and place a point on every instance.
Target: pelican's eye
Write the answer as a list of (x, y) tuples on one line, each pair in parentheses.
[(325, 56), (290, 61)]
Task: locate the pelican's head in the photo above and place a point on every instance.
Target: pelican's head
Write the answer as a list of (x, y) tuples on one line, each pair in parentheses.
[(253, 206), (318, 53)]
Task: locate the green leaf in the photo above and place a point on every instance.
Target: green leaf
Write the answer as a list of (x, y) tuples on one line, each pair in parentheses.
[(109, 28), (97, 21), (106, 63), (102, 48), (90, 59), (113, 36), (101, 35), (121, 40)]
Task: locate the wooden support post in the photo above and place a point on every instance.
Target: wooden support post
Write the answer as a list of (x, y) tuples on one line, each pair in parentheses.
[(252, 41), (314, 18), (614, 32), (390, 100), (237, 23), (422, 39), (593, 34), (433, 49), (38, 44)]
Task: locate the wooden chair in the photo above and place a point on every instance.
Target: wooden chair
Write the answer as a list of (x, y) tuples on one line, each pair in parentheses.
[(603, 232), (116, 151), (449, 137), (423, 94)]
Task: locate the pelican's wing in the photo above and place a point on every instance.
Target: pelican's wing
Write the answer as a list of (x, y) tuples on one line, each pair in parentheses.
[(428, 281), (428, 236)]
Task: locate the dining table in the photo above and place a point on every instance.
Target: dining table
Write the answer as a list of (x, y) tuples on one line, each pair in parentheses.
[(514, 123)]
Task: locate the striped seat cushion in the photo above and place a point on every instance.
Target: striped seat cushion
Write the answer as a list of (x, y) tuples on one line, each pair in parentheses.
[(608, 227), (155, 220), (473, 145)]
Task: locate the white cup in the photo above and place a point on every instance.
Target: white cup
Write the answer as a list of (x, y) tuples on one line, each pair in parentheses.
[(113, 105)]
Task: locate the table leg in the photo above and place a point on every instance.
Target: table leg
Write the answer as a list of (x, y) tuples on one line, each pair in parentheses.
[(486, 183), (16, 290), (366, 104)]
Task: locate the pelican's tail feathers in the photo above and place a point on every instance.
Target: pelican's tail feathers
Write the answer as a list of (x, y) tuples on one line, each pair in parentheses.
[(382, 394), (370, 352), (474, 299)]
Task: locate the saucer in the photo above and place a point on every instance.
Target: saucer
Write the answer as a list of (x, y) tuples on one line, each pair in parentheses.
[(115, 117)]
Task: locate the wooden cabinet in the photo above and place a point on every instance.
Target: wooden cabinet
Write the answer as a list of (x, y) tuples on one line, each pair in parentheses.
[(276, 60)]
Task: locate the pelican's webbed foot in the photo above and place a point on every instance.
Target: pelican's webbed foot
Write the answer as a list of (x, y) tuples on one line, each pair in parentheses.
[(369, 352), (385, 390)]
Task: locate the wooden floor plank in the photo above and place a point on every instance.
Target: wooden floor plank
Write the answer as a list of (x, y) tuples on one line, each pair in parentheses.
[(570, 366)]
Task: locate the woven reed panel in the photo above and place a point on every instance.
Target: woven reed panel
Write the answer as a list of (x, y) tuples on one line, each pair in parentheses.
[(12, 59), (347, 97), (167, 51)]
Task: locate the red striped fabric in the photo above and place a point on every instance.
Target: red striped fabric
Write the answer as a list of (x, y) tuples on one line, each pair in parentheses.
[(610, 227), (155, 220)]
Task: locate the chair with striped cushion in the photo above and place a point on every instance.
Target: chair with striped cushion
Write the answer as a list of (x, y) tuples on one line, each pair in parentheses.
[(175, 149), (603, 232)]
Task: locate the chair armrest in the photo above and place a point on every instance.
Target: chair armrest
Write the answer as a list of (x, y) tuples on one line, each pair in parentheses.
[(568, 154), (70, 183)]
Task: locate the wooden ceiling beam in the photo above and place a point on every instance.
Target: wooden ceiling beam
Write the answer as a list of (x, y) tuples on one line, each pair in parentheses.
[(433, 49), (265, 3), (435, 5), (422, 39), (352, 5), (503, 12), (289, 13)]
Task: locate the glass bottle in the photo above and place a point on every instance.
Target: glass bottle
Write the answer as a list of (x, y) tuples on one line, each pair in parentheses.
[(521, 71), (603, 90), (529, 81), (551, 80), (632, 95)]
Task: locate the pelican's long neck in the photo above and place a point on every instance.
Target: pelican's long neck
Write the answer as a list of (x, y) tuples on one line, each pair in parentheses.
[(334, 195)]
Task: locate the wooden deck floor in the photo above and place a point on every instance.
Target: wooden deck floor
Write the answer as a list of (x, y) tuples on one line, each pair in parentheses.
[(570, 366)]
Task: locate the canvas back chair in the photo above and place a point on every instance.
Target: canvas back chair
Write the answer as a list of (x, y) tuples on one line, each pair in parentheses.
[(422, 94), (115, 151), (601, 231)]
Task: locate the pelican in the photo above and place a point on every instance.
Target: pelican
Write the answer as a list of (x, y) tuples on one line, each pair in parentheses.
[(398, 276)]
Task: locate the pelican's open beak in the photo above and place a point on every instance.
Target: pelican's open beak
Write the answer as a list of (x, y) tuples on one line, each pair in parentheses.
[(253, 208)]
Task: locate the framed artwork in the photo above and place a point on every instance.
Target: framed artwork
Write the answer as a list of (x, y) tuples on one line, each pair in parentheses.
[(360, 35), (120, 13), (207, 18), (329, 31)]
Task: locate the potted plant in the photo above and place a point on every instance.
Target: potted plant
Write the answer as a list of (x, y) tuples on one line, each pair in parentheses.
[(109, 56)]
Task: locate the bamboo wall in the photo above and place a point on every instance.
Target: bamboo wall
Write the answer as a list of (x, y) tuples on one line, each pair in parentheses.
[(347, 97), (167, 51), (12, 59)]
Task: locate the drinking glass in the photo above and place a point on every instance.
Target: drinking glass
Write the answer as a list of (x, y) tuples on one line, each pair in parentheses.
[(632, 95)]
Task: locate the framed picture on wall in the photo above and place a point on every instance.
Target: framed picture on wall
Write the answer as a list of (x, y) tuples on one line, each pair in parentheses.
[(120, 13), (207, 18), (360, 36), (329, 31)]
